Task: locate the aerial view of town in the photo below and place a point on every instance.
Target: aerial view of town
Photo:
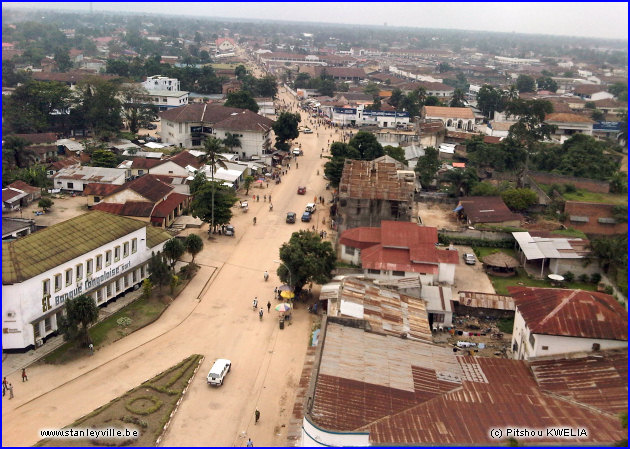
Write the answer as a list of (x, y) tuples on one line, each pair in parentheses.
[(314, 224)]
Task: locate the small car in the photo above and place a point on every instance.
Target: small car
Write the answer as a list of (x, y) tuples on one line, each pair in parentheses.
[(229, 230), (306, 216), (301, 190), (469, 259), (307, 131), (310, 208), (219, 370), (290, 217), (151, 126)]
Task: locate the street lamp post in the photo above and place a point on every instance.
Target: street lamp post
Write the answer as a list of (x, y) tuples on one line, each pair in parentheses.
[(288, 270)]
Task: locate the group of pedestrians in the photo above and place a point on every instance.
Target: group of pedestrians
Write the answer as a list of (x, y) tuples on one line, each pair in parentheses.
[(7, 386)]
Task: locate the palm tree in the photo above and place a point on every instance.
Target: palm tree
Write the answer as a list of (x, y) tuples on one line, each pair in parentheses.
[(213, 159), (512, 93), (16, 153), (231, 141)]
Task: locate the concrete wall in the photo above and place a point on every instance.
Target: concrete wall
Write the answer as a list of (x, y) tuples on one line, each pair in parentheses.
[(363, 212)]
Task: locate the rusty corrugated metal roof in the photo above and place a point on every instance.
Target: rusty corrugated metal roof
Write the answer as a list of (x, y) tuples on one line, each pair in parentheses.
[(599, 380), (486, 300), (571, 313)]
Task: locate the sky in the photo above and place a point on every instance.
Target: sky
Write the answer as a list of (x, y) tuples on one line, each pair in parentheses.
[(604, 20)]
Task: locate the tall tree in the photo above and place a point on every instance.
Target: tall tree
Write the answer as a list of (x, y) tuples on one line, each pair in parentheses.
[(396, 97), (490, 100), (286, 128), (99, 106), (159, 274), (525, 83), (15, 152), (547, 83), (241, 99), (103, 158), (173, 250), (240, 71), (80, 313), (62, 58), (232, 141), (213, 158), (306, 258), (213, 203), (137, 111), (247, 183), (462, 181), (368, 146), (458, 99), (427, 166)]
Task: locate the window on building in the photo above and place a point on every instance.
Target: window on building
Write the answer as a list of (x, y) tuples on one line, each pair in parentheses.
[(349, 250), (134, 276), (46, 287), (108, 290), (371, 271), (99, 262), (134, 245), (71, 185), (47, 325), (89, 267), (196, 143), (544, 348), (118, 283), (57, 282), (125, 249), (36, 333), (438, 317), (79, 272), (532, 340), (116, 253), (398, 273), (99, 295), (68, 277), (140, 172), (143, 270), (126, 278), (108, 258)]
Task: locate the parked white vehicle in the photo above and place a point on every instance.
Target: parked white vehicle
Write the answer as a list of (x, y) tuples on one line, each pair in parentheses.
[(310, 207), (219, 370)]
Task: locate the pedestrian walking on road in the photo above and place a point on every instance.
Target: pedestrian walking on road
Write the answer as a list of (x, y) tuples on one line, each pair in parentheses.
[(5, 383), (10, 388), (24, 376), (4, 390), (257, 197), (256, 413), (265, 198), (270, 197), (250, 443), (268, 306)]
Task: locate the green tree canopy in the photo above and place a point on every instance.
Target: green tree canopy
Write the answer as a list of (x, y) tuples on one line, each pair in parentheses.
[(306, 258), (15, 152), (458, 99), (80, 313), (368, 146), (241, 99), (45, 203), (286, 128), (484, 189), (519, 199), (427, 166), (173, 250), (194, 245), (396, 152), (462, 181), (547, 83), (159, 274), (525, 83), (224, 199), (490, 100), (104, 158)]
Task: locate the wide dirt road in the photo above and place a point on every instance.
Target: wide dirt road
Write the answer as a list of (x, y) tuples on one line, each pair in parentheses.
[(213, 317)]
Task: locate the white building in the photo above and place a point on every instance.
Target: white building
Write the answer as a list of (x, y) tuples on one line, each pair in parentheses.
[(159, 83), (452, 118), (360, 117), (76, 178), (550, 321), (166, 99), (40, 271)]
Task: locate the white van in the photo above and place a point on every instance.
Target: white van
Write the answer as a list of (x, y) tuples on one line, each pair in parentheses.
[(219, 370), (310, 207)]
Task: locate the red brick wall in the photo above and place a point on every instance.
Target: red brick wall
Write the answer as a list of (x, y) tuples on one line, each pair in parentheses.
[(593, 211)]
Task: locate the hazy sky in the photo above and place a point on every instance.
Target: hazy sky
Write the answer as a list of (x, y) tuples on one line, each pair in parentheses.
[(608, 20)]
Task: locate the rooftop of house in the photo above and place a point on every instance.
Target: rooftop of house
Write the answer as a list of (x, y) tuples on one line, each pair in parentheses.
[(128, 209), (410, 392), (90, 174), (565, 117), (198, 112), (21, 185), (373, 180), (445, 112), (46, 249), (487, 209), (548, 246), (38, 138), (387, 311), (571, 313), (245, 120), (588, 89)]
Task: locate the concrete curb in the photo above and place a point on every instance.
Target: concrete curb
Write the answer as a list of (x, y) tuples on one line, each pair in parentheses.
[(179, 401)]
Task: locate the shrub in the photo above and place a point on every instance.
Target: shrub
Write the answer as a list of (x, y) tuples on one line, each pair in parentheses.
[(156, 405), (569, 188), (471, 241), (569, 276), (608, 290), (595, 278), (583, 278)]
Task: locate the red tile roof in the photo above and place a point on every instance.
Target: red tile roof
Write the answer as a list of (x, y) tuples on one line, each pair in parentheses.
[(599, 380), (245, 120), (594, 212), (21, 185), (198, 112), (101, 189), (589, 89), (167, 206), (8, 193), (564, 117), (487, 209), (145, 163), (399, 234), (149, 187), (509, 398), (360, 237), (185, 158), (445, 112), (63, 163), (571, 313)]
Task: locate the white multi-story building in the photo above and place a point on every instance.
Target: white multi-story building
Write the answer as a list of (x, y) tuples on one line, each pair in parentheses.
[(98, 254), (360, 117), (159, 82)]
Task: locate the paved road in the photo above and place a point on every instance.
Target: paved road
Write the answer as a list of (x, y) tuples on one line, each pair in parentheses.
[(213, 316)]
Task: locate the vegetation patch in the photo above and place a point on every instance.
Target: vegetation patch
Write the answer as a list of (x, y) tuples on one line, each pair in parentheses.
[(523, 279), (144, 409)]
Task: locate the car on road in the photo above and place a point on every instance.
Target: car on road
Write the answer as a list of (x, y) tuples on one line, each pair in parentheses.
[(219, 370), (290, 217), (307, 131), (310, 208), (151, 126), (297, 151), (301, 190), (229, 230), (469, 259), (306, 216)]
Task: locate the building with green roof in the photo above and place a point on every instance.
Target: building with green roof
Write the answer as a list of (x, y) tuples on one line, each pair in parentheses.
[(97, 253)]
